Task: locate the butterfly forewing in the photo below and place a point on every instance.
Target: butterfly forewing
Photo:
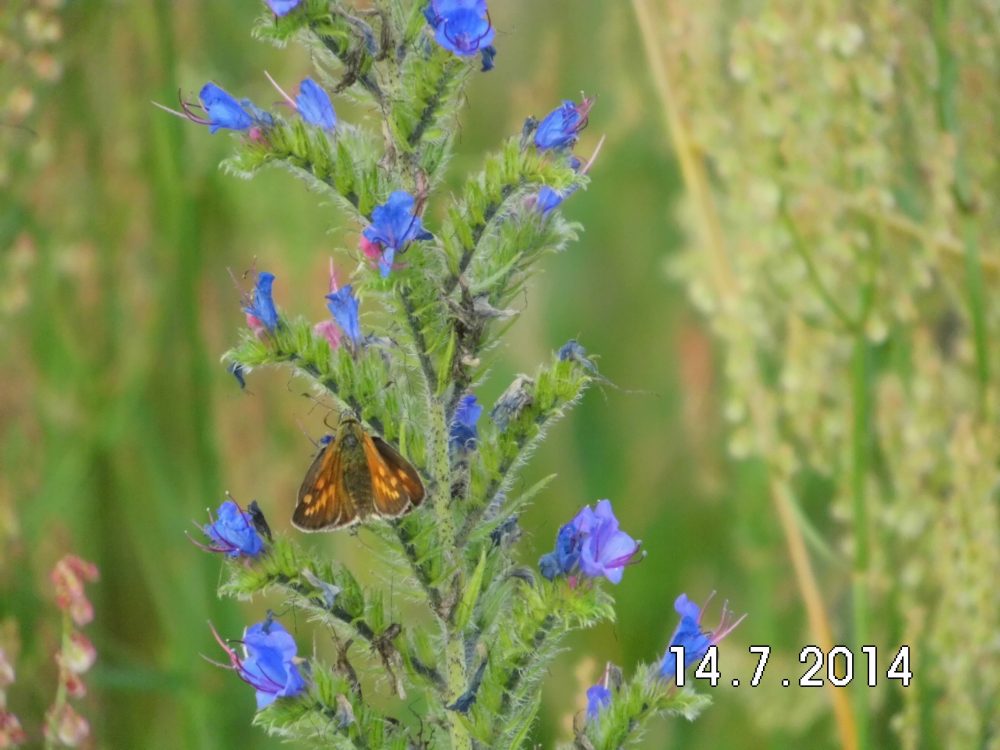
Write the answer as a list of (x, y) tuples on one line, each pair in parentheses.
[(324, 503), (396, 486)]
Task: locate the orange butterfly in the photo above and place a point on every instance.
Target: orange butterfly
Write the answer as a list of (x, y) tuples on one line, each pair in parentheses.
[(356, 476)]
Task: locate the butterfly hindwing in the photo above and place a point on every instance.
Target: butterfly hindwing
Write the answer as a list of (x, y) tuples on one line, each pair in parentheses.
[(396, 486)]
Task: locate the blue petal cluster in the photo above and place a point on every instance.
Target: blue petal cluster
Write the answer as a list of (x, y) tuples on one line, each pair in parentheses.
[(591, 544), (233, 533), (394, 225), (268, 664), (689, 635), (598, 697), (561, 127), (222, 110), (261, 304), (463, 27), (343, 306), (283, 7), (463, 432), (314, 105), (548, 199)]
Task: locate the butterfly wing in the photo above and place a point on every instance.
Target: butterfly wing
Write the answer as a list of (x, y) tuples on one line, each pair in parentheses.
[(324, 503), (396, 486)]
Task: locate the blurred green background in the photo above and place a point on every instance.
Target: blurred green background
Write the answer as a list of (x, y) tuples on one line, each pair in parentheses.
[(119, 426)]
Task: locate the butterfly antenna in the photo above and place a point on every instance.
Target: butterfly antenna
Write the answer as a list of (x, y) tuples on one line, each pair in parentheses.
[(316, 443)]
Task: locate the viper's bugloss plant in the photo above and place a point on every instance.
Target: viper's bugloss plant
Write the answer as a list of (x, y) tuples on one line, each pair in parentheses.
[(437, 277)]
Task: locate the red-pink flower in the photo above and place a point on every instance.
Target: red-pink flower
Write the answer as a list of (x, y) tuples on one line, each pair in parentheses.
[(328, 330), (11, 734), (68, 576), (78, 654), (66, 725), (75, 687), (258, 328), (372, 250), (6, 672)]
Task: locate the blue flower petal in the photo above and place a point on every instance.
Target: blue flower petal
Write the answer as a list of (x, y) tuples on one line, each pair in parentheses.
[(463, 27), (559, 128), (598, 697), (394, 224), (343, 305), (222, 110), (689, 635), (233, 533), (463, 434), (592, 544), (314, 105), (283, 7), (385, 262), (465, 32), (261, 305), (548, 199), (269, 665)]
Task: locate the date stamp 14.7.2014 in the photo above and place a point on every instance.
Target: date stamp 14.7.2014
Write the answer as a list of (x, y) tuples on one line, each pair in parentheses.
[(838, 667)]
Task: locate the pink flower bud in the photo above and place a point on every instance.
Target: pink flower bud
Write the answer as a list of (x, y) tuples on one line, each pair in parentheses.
[(258, 328), (372, 250), (79, 654), (66, 726), (68, 577), (329, 330), (75, 687), (11, 734), (6, 672)]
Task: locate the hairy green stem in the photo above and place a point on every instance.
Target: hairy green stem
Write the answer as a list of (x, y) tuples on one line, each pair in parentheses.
[(433, 104), (469, 251)]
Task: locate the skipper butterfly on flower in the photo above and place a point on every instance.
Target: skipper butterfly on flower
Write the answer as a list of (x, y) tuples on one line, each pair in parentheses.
[(356, 476)]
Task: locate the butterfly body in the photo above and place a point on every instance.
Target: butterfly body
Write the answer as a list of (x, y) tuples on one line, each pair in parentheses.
[(354, 477)]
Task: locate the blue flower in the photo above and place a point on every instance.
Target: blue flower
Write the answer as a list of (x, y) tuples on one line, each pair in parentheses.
[(223, 111), (463, 425), (689, 634), (598, 697), (566, 556), (268, 662), (261, 305), (606, 550), (548, 199), (314, 105), (283, 7), (463, 27), (343, 305), (591, 544), (233, 533), (560, 127), (394, 226)]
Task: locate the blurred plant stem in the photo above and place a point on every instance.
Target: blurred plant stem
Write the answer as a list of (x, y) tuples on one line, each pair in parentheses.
[(947, 112), (727, 289)]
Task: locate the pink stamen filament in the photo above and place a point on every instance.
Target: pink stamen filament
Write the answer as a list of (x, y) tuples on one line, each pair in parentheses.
[(284, 94)]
